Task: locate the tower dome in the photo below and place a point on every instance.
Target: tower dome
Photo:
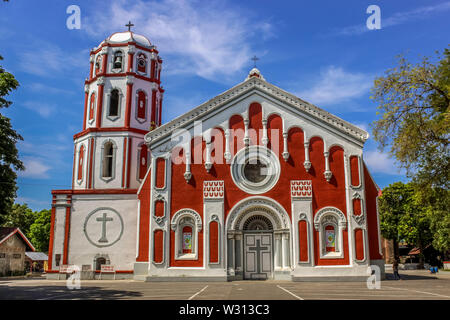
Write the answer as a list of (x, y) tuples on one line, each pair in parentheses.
[(128, 36)]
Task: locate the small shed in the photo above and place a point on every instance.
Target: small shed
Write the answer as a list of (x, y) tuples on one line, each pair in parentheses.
[(13, 245), (36, 261)]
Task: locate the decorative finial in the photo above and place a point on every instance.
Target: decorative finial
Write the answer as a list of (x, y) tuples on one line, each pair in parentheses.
[(255, 58), (129, 25)]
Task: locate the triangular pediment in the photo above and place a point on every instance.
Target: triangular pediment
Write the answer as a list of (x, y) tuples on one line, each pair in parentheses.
[(258, 86)]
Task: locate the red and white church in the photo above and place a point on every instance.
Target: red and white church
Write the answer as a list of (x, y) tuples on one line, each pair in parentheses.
[(255, 183)]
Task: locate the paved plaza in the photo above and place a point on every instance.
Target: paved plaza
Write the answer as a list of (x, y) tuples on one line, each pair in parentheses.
[(416, 285)]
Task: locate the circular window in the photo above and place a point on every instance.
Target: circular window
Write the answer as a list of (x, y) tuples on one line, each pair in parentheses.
[(255, 172), (255, 169)]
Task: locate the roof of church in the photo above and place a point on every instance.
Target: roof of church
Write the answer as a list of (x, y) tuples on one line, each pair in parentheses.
[(128, 36), (253, 81)]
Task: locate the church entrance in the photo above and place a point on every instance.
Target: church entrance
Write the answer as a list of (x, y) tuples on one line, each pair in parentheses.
[(258, 240), (258, 254)]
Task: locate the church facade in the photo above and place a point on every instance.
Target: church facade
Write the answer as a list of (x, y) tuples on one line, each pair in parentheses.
[(252, 184)]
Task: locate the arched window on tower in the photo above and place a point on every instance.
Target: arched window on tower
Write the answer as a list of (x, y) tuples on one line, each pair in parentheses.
[(153, 69), (92, 107), (117, 60), (98, 64), (114, 103), (141, 105), (143, 161), (80, 163), (142, 63), (108, 160)]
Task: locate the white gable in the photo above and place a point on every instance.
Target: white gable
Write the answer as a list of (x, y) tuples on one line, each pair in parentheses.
[(293, 110)]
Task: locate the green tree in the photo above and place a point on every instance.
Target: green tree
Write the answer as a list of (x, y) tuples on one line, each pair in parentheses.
[(20, 216), (39, 234), (391, 207), (9, 160), (414, 104), (435, 202)]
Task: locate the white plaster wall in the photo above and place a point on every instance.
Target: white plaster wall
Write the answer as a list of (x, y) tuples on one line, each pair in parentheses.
[(58, 236), (123, 253)]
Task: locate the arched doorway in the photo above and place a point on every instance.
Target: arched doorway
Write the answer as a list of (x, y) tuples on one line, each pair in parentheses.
[(258, 249), (258, 240)]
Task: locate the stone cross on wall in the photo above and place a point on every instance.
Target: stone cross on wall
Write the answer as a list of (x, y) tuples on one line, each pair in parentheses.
[(104, 220)]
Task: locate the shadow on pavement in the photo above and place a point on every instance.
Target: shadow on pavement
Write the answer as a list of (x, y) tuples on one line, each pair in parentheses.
[(390, 276), (63, 293)]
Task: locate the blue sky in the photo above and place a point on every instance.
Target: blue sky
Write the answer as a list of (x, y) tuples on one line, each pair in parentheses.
[(318, 50)]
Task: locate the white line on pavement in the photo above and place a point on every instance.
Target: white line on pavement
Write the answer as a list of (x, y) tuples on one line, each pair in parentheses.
[(434, 294), (192, 297), (299, 298)]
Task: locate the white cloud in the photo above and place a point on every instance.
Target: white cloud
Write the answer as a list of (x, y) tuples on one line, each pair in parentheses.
[(362, 125), (39, 87), (41, 158), (206, 39), (45, 110), (47, 59), (27, 200), (381, 162), (397, 18), (34, 168), (336, 85)]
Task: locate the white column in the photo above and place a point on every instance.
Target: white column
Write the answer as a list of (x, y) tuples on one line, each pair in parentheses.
[(246, 137), (227, 154), (307, 163), (328, 174), (285, 153), (233, 252), (208, 163), (265, 139), (277, 251), (285, 246), (188, 174)]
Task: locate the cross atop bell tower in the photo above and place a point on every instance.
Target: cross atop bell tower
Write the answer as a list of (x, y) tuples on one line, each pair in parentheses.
[(129, 25)]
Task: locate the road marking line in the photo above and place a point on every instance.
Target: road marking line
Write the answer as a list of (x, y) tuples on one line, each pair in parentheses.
[(299, 298), (434, 294), (192, 297)]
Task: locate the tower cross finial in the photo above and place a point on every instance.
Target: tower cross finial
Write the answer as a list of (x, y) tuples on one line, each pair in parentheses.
[(129, 25), (255, 58)]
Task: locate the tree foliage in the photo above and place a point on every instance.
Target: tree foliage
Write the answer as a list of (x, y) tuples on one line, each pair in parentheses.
[(39, 234), (20, 216), (9, 160), (416, 215), (34, 224), (414, 104)]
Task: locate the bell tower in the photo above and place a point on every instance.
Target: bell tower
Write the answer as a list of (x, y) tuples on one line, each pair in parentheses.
[(123, 101)]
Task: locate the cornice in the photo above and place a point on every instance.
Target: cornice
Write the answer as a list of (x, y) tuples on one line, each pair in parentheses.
[(269, 89)]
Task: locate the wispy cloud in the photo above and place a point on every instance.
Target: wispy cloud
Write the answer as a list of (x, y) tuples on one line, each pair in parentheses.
[(208, 40), (397, 18), (39, 87), (28, 200), (380, 162), (35, 168), (47, 59), (336, 85), (40, 158), (45, 110)]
